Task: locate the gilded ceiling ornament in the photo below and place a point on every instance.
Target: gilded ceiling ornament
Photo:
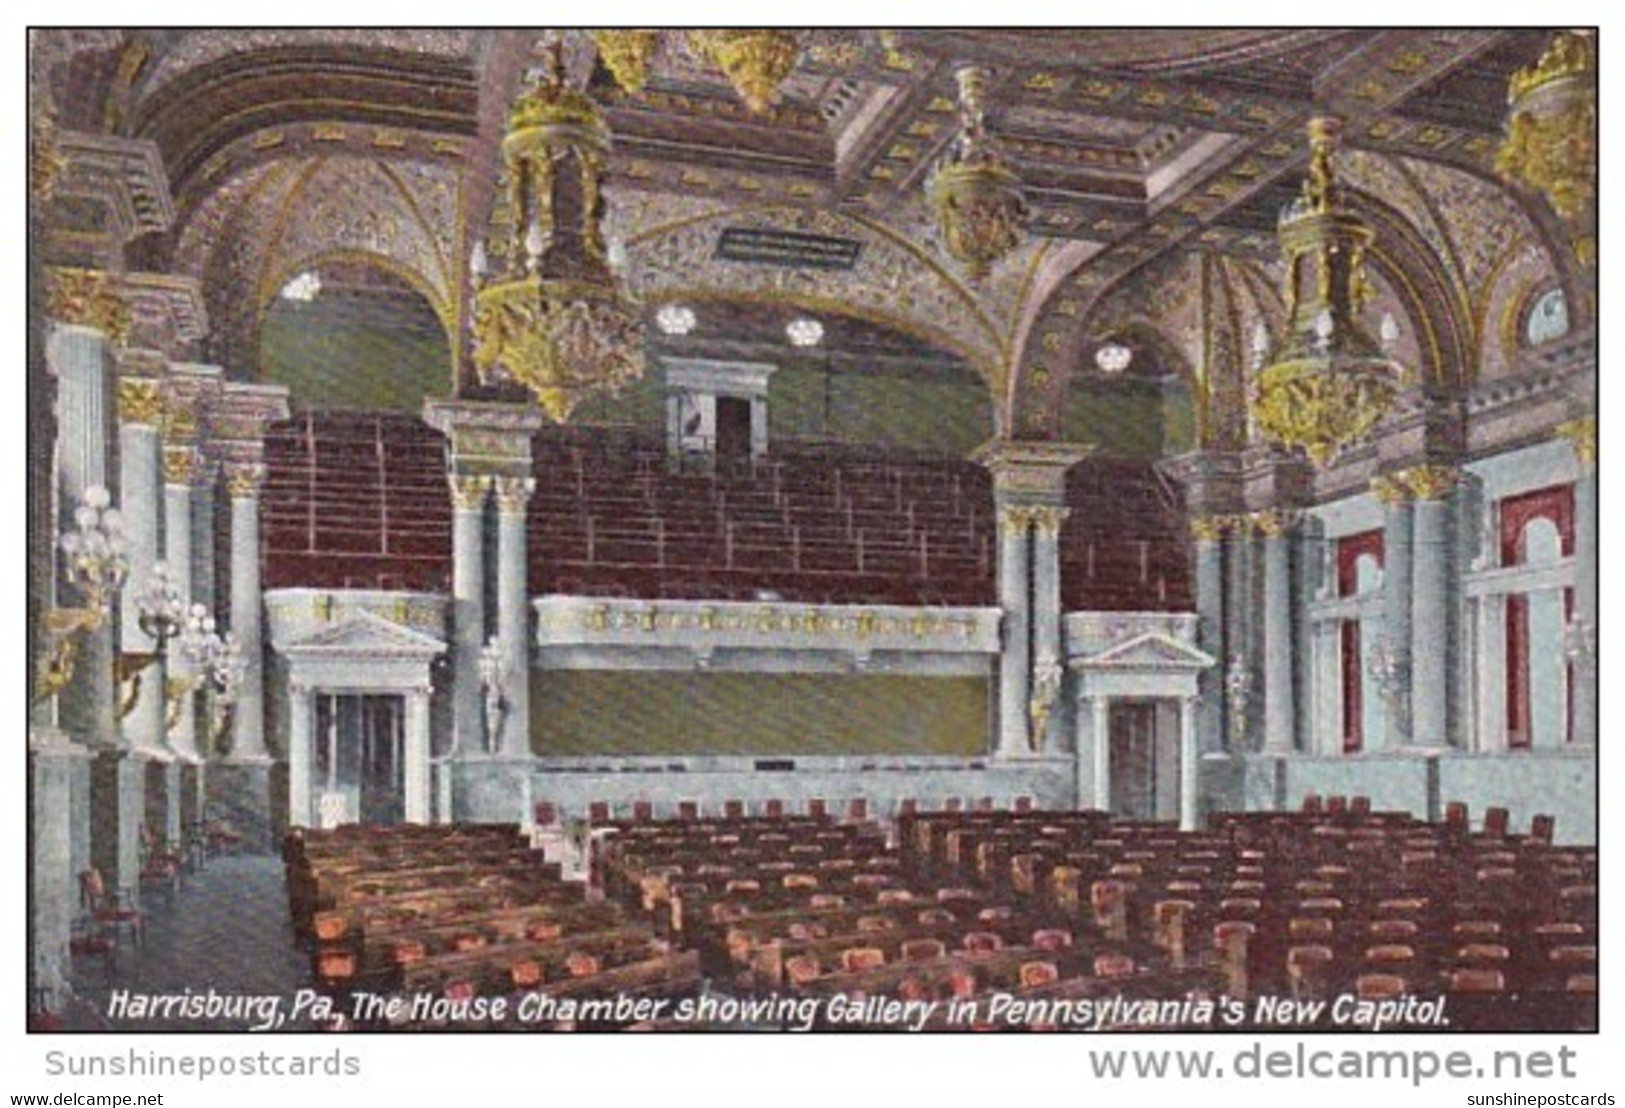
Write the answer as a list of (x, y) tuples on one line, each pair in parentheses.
[(1551, 131), (45, 159), (626, 55), (756, 61), (1431, 482), (1582, 435), (1327, 383), (974, 193), (555, 320), (140, 400), (89, 298)]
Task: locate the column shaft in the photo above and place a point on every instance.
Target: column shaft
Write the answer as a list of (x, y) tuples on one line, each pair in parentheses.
[(1431, 638), (1046, 623), (141, 500), (178, 553), (301, 721), (416, 784), (513, 606), (1015, 660), (469, 495), (1586, 569), (1280, 714), (1396, 617), (1210, 627), (1103, 753), (248, 718), (1189, 765)]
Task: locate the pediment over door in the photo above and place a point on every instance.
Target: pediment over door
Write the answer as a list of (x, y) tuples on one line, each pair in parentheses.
[(365, 635), (1149, 651)]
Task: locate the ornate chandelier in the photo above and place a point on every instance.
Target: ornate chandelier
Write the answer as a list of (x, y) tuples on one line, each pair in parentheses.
[(626, 55), (974, 193), (756, 61), (554, 319), (1329, 382), (1551, 131)]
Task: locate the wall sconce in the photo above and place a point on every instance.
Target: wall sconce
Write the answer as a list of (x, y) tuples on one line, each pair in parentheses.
[(161, 613), (1580, 643), (804, 331), (220, 658), (496, 671), (1387, 668), (96, 557), (1047, 677)]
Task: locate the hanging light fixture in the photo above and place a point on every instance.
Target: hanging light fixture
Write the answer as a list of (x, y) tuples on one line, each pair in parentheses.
[(755, 61), (1113, 357), (554, 319), (1329, 382), (626, 55), (974, 193), (1551, 132), (804, 331), (675, 319)]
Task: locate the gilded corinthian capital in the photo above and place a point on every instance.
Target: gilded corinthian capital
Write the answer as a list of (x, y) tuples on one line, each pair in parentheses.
[(1431, 482), (513, 493), (1582, 435), (469, 490), (141, 400)]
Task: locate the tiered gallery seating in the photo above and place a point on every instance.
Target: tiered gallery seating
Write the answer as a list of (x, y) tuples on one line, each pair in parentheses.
[(359, 500)]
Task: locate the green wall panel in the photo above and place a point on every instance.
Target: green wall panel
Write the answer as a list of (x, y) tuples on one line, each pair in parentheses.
[(338, 353), (586, 712)]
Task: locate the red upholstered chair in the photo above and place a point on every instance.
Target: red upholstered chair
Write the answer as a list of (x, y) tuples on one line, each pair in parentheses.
[(109, 908), (1113, 965), (874, 924), (981, 942), (598, 812), (733, 809), (1496, 821), (1310, 929), (688, 810), (1336, 805), (546, 814), (962, 983), (1380, 986), (826, 900), (526, 974), (1542, 828), (1475, 979), (922, 950), (908, 807), (984, 804), (954, 804), (1035, 975), (801, 969), (1306, 970), (893, 896), (773, 809), (860, 958), (803, 931), (1456, 815), (817, 809), (857, 809), (580, 964), (1023, 804), (543, 931), (643, 811), (1360, 806), (1052, 939), (407, 951), (1312, 803), (160, 863), (931, 917)]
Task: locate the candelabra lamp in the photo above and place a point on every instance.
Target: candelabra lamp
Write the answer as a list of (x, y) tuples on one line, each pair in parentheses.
[(96, 562), (161, 613)]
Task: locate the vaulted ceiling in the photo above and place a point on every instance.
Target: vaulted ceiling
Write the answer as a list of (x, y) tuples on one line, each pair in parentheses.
[(1153, 161)]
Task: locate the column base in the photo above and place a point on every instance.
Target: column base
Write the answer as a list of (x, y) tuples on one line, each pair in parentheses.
[(251, 796), (117, 806), (54, 762), (493, 788)]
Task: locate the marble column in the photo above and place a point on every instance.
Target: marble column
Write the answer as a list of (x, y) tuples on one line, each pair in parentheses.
[(1015, 658), (416, 784), (1280, 706), (140, 412), (243, 481), (179, 468), (1432, 634), (301, 752), (1207, 533), (513, 611), (1397, 524), (1046, 623), (1102, 727), (1189, 765), (468, 495), (1582, 434), (1239, 565)]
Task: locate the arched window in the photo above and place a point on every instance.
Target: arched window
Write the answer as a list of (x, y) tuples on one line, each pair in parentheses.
[(1547, 318), (1537, 530)]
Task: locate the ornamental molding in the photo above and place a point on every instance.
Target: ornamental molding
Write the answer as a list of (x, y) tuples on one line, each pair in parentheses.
[(126, 176)]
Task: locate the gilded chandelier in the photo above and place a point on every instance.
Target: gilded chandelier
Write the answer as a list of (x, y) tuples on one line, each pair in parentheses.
[(554, 320), (755, 61), (1329, 382), (1551, 132), (974, 193)]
